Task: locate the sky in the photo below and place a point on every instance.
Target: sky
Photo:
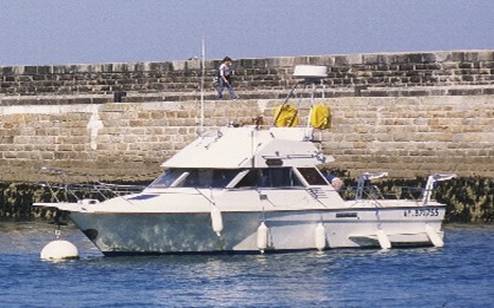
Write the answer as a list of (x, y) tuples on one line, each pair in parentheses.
[(99, 31)]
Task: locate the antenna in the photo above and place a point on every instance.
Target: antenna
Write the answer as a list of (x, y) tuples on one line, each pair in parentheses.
[(203, 72), (312, 75)]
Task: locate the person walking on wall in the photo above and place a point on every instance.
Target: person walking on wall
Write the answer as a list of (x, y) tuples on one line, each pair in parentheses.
[(224, 78)]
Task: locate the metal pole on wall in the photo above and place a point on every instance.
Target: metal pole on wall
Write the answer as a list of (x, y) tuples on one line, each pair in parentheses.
[(203, 72)]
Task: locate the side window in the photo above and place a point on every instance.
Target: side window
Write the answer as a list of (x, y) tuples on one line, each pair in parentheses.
[(198, 178), (270, 177), (312, 176), (215, 178), (221, 178), (249, 180)]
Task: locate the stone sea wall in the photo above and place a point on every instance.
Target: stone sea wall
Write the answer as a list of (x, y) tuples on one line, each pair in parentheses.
[(388, 74), (407, 113), (408, 136)]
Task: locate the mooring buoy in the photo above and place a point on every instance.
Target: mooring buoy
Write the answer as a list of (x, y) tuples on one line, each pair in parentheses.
[(59, 250)]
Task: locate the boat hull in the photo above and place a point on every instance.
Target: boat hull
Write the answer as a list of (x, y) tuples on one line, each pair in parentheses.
[(161, 233)]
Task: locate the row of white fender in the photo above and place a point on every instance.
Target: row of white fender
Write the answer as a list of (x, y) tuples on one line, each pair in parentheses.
[(263, 237), (263, 231), (320, 242)]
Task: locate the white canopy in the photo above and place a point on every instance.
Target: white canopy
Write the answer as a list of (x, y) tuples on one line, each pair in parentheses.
[(247, 147)]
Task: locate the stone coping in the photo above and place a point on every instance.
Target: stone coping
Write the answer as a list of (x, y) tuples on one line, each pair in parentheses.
[(284, 61)]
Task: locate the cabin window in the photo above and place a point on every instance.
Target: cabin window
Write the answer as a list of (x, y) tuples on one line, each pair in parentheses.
[(270, 177), (312, 176), (167, 178), (201, 178), (216, 178)]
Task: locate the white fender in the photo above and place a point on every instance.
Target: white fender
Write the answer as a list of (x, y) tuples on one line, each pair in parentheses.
[(59, 250), (216, 220), (383, 240), (435, 239), (262, 237), (320, 237)]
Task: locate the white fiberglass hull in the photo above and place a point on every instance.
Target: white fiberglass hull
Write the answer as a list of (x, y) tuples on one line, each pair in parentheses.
[(155, 233)]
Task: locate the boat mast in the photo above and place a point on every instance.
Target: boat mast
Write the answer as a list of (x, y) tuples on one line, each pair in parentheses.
[(203, 72)]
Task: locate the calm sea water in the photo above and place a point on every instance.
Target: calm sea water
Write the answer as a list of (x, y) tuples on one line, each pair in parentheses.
[(458, 275)]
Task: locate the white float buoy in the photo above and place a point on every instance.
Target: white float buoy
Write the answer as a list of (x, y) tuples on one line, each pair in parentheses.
[(216, 220), (262, 237), (59, 250), (320, 237)]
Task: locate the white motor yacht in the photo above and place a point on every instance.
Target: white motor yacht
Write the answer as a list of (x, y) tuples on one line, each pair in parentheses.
[(253, 190)]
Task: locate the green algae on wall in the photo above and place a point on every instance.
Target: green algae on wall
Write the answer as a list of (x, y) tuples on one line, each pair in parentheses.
[(16, 201)]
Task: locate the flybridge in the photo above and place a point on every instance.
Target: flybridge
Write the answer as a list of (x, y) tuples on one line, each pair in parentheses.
[(247, 147)]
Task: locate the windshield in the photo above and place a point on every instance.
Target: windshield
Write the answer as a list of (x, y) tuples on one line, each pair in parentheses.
[(200, 178)]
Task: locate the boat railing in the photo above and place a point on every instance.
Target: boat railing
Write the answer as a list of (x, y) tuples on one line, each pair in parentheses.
[(365, 178), (364, 189), (62, 191), (374, 192)]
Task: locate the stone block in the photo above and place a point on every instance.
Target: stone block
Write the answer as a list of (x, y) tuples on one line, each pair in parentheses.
[(47, 155), (179, 65), (64, 147), (7, 70), (161, 66), (372, 59), (282, 62), (44, 69), (352, 59), (415, 58), (6, 139), (30, 70), (155, 115), (22, 139), (80, 147), (485, 55)]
